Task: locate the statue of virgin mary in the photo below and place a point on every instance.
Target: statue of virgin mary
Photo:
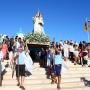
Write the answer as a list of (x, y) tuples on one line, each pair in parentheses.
[(38, 23)]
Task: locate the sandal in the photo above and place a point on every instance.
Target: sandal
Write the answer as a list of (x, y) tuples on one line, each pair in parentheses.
[(18, 84), (58, 87), (22, 87), (52, 82), (55, 81)]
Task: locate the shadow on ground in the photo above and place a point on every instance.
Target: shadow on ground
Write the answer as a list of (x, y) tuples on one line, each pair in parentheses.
[(2, 74), (86, 82), (1, 78)]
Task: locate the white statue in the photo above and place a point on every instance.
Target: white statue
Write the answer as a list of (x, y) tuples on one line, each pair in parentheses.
[(38, 23)]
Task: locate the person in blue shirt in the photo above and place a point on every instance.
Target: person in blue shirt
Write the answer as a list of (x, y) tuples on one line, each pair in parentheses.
[(20, 67), (58, 59)]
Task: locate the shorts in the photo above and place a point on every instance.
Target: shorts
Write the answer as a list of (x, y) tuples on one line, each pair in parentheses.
[(20, 70), (57, 70)]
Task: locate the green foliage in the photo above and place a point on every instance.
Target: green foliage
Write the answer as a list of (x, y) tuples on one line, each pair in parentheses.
[(36, 37)]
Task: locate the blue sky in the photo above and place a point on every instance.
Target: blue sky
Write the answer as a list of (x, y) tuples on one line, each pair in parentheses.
[(63, 19)]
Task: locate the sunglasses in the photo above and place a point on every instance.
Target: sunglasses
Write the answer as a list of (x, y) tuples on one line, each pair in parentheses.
[(20, 49)]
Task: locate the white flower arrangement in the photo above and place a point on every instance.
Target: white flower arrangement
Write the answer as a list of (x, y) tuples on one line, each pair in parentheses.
[(36, 37)]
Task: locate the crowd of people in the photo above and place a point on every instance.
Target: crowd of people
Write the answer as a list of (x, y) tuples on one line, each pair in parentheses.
[(17, 52), (64, 52)]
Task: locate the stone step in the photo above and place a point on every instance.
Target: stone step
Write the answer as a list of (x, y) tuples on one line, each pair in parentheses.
[(82, 88), (10, 88), (71, 66), (32, 77), (17, 88), (77, 72), (80, 68), (47, 85), (35, 70), (38, 80), (43, 70), (71, 80), (38, 75), (70, 74), (76, 75), (64, 78), (54, 88), (75, 66)]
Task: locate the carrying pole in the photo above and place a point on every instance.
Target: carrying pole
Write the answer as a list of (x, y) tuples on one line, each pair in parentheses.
[(88, 36)]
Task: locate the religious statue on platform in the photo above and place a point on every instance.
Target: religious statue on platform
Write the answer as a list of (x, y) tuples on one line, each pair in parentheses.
[(38, 23)]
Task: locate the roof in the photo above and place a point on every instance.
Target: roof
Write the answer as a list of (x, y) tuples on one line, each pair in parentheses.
[(40, 43)]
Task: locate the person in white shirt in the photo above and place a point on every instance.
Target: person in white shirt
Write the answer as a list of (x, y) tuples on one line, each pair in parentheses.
[(71, 52), (1, 59), (76, 55), (66, 51)]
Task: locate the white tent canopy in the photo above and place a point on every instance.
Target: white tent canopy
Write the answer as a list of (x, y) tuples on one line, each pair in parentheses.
[(21, 35)]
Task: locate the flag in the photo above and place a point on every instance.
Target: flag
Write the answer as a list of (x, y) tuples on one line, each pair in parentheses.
[(86, 28), (88, 24)]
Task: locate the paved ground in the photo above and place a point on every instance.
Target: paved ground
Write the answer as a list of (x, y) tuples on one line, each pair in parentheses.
[(76, 78)]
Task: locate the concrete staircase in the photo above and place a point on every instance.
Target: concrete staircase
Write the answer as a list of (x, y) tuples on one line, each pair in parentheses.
[(71, 80)]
